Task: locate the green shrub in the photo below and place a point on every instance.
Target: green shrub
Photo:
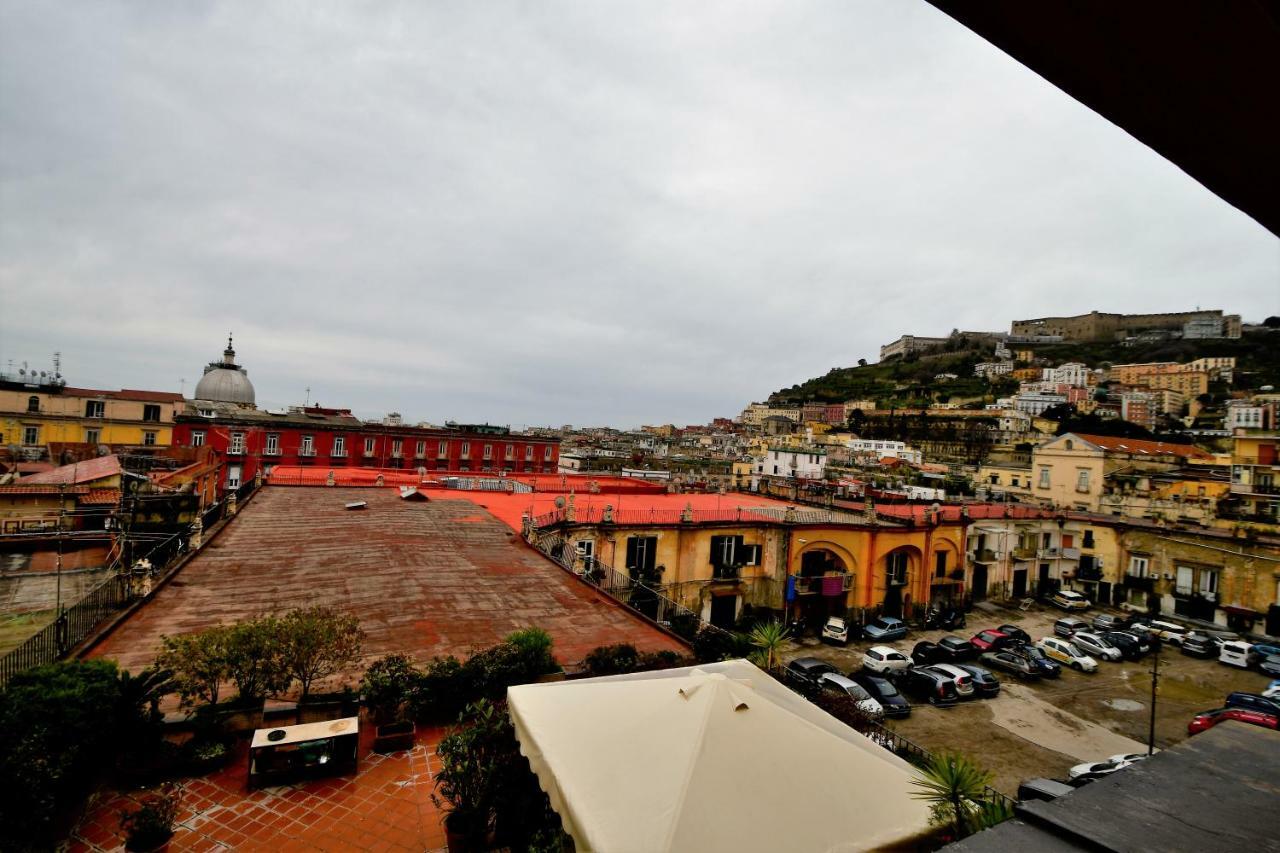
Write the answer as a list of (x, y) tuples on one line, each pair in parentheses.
[(491, 671), (665, 659), (58, 724), (712, 645), (388, 684), (443, 689), (535, 650), (612, 660)]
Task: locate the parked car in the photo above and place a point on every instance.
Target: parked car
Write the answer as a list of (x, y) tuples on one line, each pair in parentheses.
[(884, 660), (1110, 622), (1096, 645), (985, 685), (836, 631), (1046, 666), (805, 672), (883, 691), (955, 649), (924, 653), (1273, 690), (1208, 719), (1265, 650), (1067, 653), (1238, 653), (1111, 765), (1257, 702), (1069, 625), (1168, 632), (1271, 665), (944, 616), (1132, 646), (1042, 789), (834, 682), (924, 683), (1198, 645), (963, 680), (989, 641), (1014, 633), (1010, 662), (1069, 599), (885, 628)]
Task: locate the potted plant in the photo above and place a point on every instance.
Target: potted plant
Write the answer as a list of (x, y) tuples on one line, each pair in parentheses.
[(386, 687), (474, 762), (150, 826)]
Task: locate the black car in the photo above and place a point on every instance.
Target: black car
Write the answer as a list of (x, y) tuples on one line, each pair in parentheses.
[(934, 687), (924, 652), (1046, 666), (1110, 622), (1271, 665), (1132, 646), (1199, 645), (805, 672), (1015, 633), (954, 649), (883, 691), (985, 685), (1253, 702), (1006, 660)]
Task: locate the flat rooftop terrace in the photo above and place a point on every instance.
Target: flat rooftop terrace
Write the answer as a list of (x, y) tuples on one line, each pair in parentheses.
[(425, 578)]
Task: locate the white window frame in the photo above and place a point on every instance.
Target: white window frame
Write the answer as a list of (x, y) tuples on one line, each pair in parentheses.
[(465, 450), (272, 445), (1208, 583), (509, 453), (421, 450), (397, 447), (488, 452), (1138, 566), (97, 409), (528, 453), (308, 446), (546, 453), (442, 452), (1184, 580), (92, 435), (233, 476), (339, 445), (1045, 481), (236, 445), (1082, 480), (149, 438), (369, 445), (197, 438)]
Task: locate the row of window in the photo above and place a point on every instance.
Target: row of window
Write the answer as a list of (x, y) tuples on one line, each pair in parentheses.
[(1082, 479), (306, 447), (98, 409), (92, 435)]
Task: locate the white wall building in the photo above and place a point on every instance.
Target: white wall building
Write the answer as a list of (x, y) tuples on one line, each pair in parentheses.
[(781, 462), (1035, 403), (1072, 373), (884, 449)]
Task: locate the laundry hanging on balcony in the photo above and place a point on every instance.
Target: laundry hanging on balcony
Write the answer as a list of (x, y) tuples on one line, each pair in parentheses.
[(833, 585)]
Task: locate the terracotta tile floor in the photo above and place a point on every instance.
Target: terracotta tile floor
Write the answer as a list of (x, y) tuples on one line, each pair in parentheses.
[(385, 806)]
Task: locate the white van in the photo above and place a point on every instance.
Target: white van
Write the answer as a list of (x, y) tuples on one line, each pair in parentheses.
[(1238, 653)]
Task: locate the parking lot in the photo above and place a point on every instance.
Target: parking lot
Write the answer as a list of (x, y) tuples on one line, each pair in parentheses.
[(1042, 728)]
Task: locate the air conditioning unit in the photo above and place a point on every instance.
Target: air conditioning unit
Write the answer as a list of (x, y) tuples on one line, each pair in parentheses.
[(1168, 576)]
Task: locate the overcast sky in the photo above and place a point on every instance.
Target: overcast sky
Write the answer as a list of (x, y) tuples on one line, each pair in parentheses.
[(546, 213)]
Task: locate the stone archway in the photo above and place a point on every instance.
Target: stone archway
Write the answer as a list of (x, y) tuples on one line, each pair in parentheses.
[(899, 567), (823, 575)]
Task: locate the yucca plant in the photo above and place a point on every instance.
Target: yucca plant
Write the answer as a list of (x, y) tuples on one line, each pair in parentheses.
[(768, 638), (955, 787)]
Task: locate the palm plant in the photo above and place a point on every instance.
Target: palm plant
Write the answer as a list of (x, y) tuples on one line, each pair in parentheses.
[(768, 637), (955, 787)]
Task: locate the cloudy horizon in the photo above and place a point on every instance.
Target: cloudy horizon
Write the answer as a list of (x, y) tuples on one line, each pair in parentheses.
[(561, 212)]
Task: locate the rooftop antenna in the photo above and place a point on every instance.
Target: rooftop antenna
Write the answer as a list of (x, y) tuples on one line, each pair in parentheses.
[(308, 398), (182, 387)]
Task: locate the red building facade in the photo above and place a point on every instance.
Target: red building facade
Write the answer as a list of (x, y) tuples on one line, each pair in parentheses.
[(250, 440)]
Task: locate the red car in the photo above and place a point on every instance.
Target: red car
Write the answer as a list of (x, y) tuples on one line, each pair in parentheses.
[(990, 641), (1208, 719)]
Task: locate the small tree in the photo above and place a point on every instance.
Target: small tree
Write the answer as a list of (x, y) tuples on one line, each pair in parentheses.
[(955, 787), (317, 642), (199, 664), (254, 658), (535, 650), (388, 683), (769, 638)]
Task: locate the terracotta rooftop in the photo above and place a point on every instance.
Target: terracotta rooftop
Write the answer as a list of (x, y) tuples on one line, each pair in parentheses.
[(425, 578), (127, 394), (98, 468), (1140, 447)]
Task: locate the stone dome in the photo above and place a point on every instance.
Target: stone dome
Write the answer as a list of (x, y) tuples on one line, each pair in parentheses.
[(225, 381)]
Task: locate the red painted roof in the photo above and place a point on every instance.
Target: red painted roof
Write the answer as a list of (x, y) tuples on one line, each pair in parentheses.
[(1140, 447), (425, 578), (87, 471)]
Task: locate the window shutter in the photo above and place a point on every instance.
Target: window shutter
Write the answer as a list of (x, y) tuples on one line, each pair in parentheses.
[(632, 545), (650, 553), (717, 550)]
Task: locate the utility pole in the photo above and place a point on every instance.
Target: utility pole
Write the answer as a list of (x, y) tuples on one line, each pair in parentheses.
[(1155, 681)]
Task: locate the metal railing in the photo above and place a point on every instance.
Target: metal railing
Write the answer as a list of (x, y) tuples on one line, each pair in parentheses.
[(595, 514), (645, 598), (75, 624)]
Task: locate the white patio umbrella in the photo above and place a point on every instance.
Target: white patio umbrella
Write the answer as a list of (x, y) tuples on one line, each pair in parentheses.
[(707, 758)]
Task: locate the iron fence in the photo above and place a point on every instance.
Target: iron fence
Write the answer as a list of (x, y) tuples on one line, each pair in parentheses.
[(645, 598), (595, 514)]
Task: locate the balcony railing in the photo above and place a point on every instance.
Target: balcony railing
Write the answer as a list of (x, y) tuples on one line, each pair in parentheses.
[(1145, 583), (984, 555), (1047, 553), (1024, 554), (726, 573), (338, 451), (306, 451), (1255, 489), (818, 584), (1089, 573), (1070, 553)]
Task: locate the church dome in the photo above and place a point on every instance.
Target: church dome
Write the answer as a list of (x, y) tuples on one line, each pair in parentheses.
[(225, 381)]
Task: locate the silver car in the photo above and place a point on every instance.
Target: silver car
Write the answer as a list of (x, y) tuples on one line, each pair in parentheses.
[(962, 679), (1096, 644)]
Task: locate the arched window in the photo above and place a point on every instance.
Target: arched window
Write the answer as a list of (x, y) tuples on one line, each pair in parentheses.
[(33, 403), (1069, 444)]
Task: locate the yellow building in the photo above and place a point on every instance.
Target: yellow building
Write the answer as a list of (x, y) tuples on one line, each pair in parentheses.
[(37, 415), (805, 563), (1068, 471), (1255, 477)]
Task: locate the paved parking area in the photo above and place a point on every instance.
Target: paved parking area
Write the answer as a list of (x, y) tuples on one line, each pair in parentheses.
[(1042, 728)]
